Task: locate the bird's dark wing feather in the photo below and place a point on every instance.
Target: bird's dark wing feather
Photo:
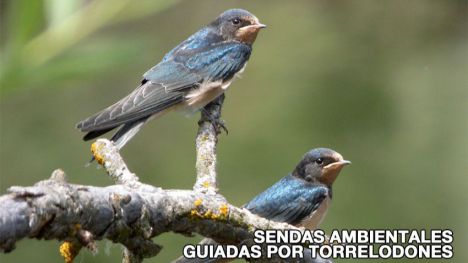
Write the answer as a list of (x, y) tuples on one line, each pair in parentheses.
[(223, 62), (212, 63), (147, 99), (167, 83), (288, 201)]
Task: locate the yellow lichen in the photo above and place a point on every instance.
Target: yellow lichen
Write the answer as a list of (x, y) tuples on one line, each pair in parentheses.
[(69, 251), (197, 202), (224, 210), (216, 216), (208, 214), (95, 147)]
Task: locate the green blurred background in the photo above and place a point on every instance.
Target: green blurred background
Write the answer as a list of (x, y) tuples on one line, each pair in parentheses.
[(385, 83)]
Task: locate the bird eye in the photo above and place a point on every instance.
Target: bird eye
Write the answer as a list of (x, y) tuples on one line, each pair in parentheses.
[(236, 21), (319, 161)]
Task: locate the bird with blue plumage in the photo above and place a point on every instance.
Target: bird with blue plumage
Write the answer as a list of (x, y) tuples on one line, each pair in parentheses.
[(302, 197), (191, 75)]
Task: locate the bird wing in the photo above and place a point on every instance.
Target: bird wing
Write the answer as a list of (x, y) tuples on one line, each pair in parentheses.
[(290, 200), (212, 63), (167, 83), (222, 62)]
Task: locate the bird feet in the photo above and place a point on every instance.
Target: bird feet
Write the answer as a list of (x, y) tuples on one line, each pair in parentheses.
[(213, 117)]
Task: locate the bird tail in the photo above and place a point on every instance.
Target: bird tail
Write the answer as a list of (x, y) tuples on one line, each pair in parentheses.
[(122, 136), (127, 131)]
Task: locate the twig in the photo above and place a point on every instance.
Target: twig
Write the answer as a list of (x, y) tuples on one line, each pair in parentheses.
[(108, 156), (206, 141)]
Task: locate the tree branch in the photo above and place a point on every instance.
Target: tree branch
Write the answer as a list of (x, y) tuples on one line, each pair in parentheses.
[(206, 141), (54, 209), (130, 212)]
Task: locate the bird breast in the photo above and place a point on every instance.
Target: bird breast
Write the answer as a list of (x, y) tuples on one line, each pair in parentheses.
[(207, 92), (316, 217)]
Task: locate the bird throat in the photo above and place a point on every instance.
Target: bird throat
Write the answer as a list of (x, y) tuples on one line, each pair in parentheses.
[(247, 34), (330, 175)]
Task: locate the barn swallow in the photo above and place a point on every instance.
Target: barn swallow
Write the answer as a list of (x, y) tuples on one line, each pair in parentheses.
[(301, 198), (190, 76)]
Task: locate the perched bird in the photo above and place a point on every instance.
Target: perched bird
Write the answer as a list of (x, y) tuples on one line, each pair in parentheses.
[(300, 198), (190, 76)]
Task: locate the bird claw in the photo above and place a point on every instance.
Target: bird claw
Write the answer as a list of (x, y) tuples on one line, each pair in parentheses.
[(218, 124)]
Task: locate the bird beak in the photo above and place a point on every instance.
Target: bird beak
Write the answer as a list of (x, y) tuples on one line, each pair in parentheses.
[(331, 171), (254, 27), (259, 25), (248, 34), (337, 165), (342, 163)]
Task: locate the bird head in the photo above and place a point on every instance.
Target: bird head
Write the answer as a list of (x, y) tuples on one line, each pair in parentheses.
[(239, 25), (320, 165)]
